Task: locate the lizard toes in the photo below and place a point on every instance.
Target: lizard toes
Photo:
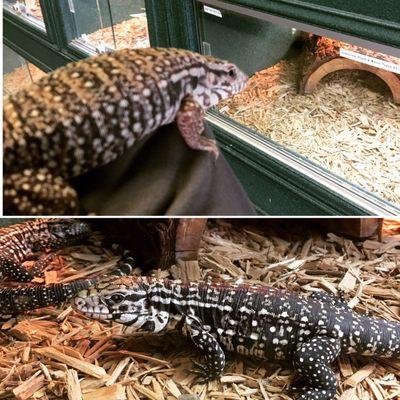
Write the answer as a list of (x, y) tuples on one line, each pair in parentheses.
[(318, 394), (203, 373)]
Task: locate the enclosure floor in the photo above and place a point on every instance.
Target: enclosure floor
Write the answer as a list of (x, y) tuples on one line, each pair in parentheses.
[(348, 125), (119, 364)]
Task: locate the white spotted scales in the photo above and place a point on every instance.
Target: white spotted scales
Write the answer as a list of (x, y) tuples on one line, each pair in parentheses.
[(254, 320), (88, 113)]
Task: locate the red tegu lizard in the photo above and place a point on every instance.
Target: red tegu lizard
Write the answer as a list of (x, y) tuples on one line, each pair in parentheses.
[(86, 114)]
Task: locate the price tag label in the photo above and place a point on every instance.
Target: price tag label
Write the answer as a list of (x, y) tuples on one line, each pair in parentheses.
[(373, 61), (212, 11)]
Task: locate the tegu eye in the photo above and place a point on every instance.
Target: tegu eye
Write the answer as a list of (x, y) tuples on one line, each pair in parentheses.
[(232, 73), (117, 298)]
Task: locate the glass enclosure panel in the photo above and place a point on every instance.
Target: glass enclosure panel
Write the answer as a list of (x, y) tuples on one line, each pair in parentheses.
[(331, 102), (28, 10), (107, 25), (17, 72)]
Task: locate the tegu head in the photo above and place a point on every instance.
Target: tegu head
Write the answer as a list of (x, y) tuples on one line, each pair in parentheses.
[(125, 300), (62, 232), (220, 81)]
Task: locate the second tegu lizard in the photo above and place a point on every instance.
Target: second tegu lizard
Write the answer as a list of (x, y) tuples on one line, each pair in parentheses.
[(86, 114)]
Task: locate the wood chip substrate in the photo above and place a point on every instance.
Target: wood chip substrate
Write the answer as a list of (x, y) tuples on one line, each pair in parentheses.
[(20, 77), (348, 124), (56, 353), (130, 34)]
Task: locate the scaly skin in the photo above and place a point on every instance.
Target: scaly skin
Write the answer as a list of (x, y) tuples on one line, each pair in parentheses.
[(86, 114), (253, 320), (17, 242)]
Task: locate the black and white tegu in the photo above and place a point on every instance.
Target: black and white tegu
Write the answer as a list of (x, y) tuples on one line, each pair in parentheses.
[(86, 114), (255, 320)]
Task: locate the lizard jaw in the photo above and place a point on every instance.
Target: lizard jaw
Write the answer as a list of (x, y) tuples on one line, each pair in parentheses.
[(92, 311)]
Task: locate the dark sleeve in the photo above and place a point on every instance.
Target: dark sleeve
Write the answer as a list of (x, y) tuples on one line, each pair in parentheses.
[(160, 175)]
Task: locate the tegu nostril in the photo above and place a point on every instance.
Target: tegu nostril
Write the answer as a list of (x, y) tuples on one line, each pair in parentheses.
[(79, 302), (124, 307)]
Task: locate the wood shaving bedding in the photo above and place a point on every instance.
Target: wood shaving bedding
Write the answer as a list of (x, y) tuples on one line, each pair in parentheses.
[(131, 34), (348, 125), (20, 77)]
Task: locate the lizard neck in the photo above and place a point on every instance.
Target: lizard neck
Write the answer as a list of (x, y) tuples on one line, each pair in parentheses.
[(172, 301)]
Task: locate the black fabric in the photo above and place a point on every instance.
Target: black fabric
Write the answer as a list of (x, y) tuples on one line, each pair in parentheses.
[(159, 175)]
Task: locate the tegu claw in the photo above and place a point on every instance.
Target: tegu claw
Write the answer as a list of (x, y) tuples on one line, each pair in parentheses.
[(203, 374)]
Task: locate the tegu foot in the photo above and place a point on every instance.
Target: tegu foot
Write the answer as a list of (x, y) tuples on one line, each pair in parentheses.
[(38, 192), (190, 121), (42, 264), (312, 360), (318, 394), (214, 355), (9, 268)]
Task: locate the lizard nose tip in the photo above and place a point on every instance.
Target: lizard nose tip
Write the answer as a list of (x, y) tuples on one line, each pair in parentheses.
[(79, 302)]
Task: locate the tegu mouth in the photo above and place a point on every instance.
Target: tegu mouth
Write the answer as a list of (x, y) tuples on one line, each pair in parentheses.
[(238, 87), (99, 311)]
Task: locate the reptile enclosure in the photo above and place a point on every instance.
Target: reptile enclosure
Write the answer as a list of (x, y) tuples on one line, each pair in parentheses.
[(55, 353), (333, 151)]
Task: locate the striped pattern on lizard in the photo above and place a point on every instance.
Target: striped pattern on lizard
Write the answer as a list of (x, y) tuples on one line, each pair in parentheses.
[(258, 321), (19, 241), (86, 114)]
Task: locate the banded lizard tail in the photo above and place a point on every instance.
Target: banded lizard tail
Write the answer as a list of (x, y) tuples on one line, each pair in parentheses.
[(255, 320), (86, 114), (19, 241)]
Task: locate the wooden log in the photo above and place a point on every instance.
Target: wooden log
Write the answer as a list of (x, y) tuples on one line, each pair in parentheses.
[(322, 57), (156, 242), (359, 228), (188, 238), (151, 241)]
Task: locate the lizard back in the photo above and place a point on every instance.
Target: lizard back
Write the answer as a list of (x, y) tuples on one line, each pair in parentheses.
[(87, 113)]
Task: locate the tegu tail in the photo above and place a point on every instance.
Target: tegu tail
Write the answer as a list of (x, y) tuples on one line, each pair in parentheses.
[(14, 300), (377, 337)]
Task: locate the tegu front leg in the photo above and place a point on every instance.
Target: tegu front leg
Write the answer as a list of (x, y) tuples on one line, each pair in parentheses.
[(209, 346), (331, 299), (312, 360), (42, 263), (190, 121), (38, 192), (14, 270)]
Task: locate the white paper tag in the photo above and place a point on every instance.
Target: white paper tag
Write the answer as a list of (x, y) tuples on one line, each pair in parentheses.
[(212, 11), (375, 62)]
